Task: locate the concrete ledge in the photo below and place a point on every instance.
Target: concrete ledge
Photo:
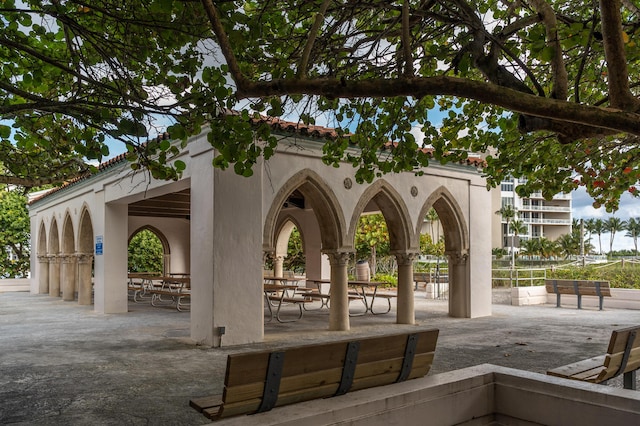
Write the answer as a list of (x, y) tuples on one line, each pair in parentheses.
[(533, 295), (11, 284), (484, 394)]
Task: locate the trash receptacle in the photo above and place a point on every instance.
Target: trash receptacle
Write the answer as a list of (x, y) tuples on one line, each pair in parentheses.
[(363, 273)]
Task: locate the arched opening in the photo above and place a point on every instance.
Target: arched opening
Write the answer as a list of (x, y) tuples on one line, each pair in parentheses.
[(307, 199), (43, 261), (148, 252), (289, 256), (85, 259), (68, 270), (54, 259), (381, 218), (432, 261), (456, 249)]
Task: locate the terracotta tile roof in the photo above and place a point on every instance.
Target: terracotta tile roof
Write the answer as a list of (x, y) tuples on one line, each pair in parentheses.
[(276, 124)]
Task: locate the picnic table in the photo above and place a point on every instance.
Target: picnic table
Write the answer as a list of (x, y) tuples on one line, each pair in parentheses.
[(361, 291), (281, 291)]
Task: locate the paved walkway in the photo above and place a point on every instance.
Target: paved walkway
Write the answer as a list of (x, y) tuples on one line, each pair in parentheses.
[(62, 364)]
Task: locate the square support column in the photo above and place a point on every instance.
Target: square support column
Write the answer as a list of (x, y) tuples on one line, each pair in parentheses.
[(110, 289)]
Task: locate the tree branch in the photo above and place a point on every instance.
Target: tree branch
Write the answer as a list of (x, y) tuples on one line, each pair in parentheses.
[(313, 33), (560, 79), (516, 101), (619, 94), (225, 46), (406, 40)]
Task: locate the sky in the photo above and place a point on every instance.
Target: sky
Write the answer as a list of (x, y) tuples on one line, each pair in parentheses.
[(582, 208)]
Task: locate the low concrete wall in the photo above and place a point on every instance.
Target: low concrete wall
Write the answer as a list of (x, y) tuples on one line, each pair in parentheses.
[(621, 298), (11, 284), (480, 395)]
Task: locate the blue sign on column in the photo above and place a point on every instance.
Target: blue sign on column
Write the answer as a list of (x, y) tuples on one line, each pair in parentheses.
[(98, 244)]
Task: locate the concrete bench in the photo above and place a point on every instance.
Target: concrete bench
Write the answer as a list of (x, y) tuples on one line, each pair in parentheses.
[(622, 357), (259, 381), (579, 288)]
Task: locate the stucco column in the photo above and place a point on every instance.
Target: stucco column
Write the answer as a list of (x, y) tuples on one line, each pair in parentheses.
[(43, 274), (406, 310), (339, 311), (85, 288), (278, 263), (68, 273), (459, 291), (54, 275)]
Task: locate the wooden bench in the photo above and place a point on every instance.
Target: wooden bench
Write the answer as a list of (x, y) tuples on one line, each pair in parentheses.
[(259, 381), (622, 357), (579, 288), (421, 277)]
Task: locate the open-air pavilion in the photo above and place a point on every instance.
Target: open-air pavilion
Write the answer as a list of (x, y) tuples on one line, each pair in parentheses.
[(220, 228)]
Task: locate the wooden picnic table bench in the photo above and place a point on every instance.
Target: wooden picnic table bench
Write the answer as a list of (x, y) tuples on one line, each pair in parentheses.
[(259, 381), (579, 288), (175, 289), (622, 357)]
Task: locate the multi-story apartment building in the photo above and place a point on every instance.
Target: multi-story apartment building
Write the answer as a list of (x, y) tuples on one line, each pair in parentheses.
[(543, 218)]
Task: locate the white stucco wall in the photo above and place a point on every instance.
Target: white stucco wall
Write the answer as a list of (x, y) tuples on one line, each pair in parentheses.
[(222, 243)]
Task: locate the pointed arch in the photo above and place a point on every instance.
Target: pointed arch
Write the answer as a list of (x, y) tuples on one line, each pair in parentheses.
[(85, 231), (54, 237), (283, 233), (68, 236), (85, 257), (319, 197), (454, 226), (42, 240), (395, 212)]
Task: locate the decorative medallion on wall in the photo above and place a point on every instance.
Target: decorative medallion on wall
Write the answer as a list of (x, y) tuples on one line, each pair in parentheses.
[(348, 183), (414, 191)]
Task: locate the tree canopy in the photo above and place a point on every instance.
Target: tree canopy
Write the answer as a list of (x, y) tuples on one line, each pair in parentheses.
[(548, 89)]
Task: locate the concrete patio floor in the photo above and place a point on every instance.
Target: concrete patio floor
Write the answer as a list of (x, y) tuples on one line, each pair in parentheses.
[(62, 364)]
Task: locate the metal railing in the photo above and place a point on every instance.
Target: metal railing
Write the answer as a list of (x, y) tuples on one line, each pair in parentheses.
[(518, 277)]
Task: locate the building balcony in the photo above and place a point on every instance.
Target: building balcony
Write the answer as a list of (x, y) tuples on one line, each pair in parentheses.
[(558, 209), (540, 221)]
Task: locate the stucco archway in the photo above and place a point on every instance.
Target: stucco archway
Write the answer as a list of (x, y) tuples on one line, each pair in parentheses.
[(68, 268), (85, 258), (318, 196), (381, 196), (43, 260), (54, 259), (456, 236)]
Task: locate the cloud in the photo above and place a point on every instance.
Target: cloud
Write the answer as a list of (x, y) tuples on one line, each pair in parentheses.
[(582, 208)]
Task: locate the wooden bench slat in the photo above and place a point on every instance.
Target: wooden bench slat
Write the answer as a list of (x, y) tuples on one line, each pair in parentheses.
[(315, 371), (577, 367), (200, 404), (602, 368)]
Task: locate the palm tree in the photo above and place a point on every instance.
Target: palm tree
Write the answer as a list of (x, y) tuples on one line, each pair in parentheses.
[(432, 217), (518, 228), (568, 244), (548, 248), (530, 247), (633, 231), (508, 212), (598, 228), (613, 225)]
